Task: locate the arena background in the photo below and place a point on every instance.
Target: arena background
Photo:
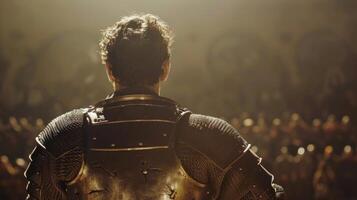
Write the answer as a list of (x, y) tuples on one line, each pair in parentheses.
[(258, 64)]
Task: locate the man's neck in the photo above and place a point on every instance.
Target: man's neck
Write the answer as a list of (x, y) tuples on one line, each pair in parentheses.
[(154, 88)]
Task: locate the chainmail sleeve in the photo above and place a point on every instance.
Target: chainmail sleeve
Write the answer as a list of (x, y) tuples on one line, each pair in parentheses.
[(58, 157), (213, 153), (42, 182), (247, 179)]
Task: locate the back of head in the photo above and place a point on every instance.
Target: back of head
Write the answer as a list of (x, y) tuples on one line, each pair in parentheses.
[(135, 48)]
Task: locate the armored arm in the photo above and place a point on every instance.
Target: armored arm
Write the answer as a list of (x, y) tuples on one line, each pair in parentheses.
[(57, 158), (224, 160), (247, 179), (42, 183)]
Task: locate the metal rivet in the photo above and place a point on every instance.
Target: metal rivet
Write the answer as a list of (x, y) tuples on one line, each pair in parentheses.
[(140, 144), (164, 134), (240, 169), (254, 186), (94, 138), (112, 145), (145, 172)]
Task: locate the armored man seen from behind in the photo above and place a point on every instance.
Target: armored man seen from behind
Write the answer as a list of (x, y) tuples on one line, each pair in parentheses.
[(137, 145)]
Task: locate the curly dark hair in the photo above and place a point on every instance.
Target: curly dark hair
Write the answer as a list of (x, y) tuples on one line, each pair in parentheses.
[(135, 48)]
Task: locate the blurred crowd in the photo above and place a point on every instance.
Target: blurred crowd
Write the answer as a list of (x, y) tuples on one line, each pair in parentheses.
[(16, 143), (312, 159)]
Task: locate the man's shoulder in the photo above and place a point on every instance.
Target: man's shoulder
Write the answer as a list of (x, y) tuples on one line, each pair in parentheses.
[(63, 133), (214, 138)]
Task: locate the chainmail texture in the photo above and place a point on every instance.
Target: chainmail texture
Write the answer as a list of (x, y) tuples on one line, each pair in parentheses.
[(212, 137), (42, 183), (68, 165), (193, 162), (63, 133), (58, 158), (248, 179), (205, 146), (208, 146)]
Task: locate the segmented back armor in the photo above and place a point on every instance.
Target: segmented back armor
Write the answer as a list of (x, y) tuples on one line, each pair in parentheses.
[(130, 153), (137, 145)]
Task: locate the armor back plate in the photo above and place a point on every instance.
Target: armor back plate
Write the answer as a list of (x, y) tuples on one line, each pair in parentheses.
[(130, 154)]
